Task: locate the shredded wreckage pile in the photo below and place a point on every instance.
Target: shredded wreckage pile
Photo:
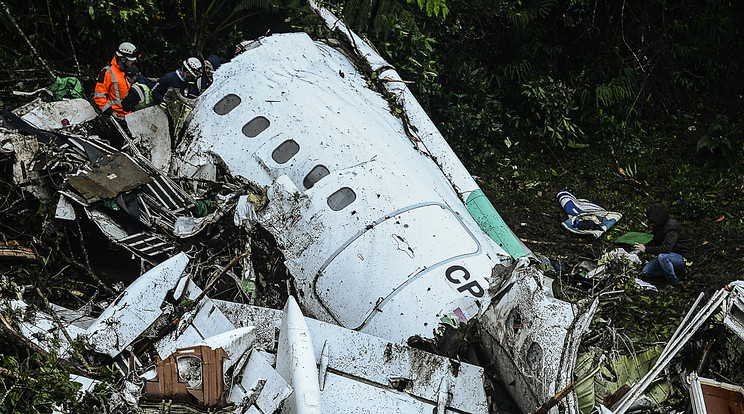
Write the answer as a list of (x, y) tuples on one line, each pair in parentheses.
[(386, 238)]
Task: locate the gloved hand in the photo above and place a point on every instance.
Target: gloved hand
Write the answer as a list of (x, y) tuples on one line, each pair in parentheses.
[(108, 112)]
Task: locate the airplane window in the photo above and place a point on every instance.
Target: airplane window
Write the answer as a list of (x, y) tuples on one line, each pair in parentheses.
[(534, 357), (190, 370), (255, 126), (285, 151), (514, 321), (226, 104), (341, 198), (315, 175)]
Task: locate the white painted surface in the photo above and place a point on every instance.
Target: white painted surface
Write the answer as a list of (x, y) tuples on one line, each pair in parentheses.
[(49, 115), (274, 391), (295, 362), (136, 308), (149, 128), (360, 367)]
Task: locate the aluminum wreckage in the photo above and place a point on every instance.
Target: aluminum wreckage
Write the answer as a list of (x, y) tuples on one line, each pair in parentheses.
[(377, 218), (385, 234)]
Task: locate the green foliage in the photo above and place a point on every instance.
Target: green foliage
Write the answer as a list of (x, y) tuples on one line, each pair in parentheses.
[(204, 23), (36, 390), (551, 102), (720, 140), (432, 7), (647, 317)]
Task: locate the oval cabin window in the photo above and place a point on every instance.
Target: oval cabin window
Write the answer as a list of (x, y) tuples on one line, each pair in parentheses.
[(315, 175), (341, 198), (226, 104), (285, 151), (255, 126)]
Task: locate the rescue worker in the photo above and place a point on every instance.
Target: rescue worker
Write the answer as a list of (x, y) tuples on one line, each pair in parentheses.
[(670, 243), (139, 95), (211, 64), (182, 80), (111, 85)]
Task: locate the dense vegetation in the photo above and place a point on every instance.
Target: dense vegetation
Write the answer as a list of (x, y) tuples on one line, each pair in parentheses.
[(623, 102)]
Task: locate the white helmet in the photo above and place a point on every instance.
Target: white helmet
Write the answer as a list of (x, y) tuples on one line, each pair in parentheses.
[(128, 51), (193, 66)]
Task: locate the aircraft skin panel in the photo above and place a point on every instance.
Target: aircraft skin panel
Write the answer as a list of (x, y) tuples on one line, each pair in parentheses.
[(311, 105), (133, 310), (318, 110), (535, 328), (373, 364), (419, 306), (491, 222), (312, 235), (385, 256), (341, 396)]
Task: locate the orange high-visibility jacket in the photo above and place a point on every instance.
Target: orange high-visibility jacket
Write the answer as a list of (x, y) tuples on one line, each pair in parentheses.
[(111, 88)]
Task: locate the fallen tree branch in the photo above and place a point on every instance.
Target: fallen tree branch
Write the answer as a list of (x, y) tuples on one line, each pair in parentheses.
[(543, 409), (62, 328), (9, 333), (72, 45), (15, 252)]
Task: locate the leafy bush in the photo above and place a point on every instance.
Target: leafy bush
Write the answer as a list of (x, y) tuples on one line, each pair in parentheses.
[(551, 102)]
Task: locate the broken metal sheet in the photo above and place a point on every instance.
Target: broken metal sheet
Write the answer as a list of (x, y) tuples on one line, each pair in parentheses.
[(265, 321), (712, 397), (168, 194), (25, 173), (194, 326), (733, 309), (235, 343), (102, 181), (108, 226), (689, 325), (57, 114), (260, 388), (72, 317), (87, 385), (295, 362), (370, 366), (41, 329), (64, 211), (150, 133), (148, 244), (136, 308), (527, 333)]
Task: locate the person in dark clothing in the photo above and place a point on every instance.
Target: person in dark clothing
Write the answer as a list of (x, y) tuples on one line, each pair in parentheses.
[(181, 79), (211, 64), (670, 243), (139, 95)]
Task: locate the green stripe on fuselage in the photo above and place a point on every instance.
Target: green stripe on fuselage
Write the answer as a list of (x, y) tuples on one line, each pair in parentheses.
[(489, 220)]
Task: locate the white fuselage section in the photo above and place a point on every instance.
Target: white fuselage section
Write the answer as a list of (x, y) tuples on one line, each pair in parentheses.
[(371, 229)]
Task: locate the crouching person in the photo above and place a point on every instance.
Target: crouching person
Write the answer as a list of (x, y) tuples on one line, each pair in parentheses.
[(670, 244), (140, 92)]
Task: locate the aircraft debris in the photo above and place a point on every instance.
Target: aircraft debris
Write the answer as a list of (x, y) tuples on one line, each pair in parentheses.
[(713, 397), (384, 234), (690, 324)]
